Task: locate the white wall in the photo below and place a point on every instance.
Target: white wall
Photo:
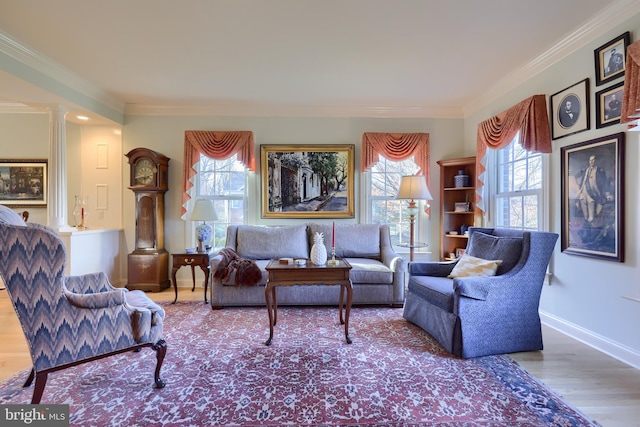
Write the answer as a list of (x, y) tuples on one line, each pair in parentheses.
[(166, 135), (586, 297)]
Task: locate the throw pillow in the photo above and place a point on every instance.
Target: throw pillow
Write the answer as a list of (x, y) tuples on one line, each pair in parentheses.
[(260, 242), (9, 216), (487, 246), (469, 266)]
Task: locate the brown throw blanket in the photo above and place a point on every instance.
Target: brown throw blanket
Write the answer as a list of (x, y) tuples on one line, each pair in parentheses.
[(247, 272)]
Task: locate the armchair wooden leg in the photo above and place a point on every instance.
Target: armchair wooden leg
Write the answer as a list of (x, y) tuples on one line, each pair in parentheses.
[(41, 381), (161, 350), (30, 378)]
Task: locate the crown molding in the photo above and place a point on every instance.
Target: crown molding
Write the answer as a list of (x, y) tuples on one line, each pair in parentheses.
[(610, 17), (336, 111), (44, 66)]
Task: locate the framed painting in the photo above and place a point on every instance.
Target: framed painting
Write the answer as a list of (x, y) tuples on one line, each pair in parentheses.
[(609, 105), (593, 198), (610, 59), (23, 183), (570, 110), (307, 181)]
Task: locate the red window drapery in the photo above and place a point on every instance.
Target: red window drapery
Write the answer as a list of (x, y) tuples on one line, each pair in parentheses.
[(529, 117), (217, 145), (631, 89), (396, 147)]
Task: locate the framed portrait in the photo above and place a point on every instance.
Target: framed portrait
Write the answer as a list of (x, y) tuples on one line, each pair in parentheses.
[(593, 198), (459, 252), (609, 105), (23, 183), (307, 181), (570, 110), (610, 59)]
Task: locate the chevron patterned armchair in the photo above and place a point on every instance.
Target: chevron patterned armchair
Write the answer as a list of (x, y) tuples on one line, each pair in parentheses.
[(68, 320)]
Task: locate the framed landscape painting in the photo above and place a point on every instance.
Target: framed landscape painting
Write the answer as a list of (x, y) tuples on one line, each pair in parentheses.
[(593, 198), (307, 181), (23, 183)]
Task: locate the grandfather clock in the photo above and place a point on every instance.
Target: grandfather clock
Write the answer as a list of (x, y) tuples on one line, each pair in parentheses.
[(148, 264)]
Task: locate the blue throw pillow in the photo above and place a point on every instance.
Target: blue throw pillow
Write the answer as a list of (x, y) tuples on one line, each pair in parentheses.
[(486, 246)]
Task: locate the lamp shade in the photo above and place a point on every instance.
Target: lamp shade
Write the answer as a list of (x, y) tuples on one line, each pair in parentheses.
[(203, 211), (414, 187)]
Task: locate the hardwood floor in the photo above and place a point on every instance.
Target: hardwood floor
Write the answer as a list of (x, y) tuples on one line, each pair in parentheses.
[(601, 387)]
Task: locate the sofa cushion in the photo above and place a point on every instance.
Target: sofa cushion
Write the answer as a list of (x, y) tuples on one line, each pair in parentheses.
[(436, 290), (259, 242), (486, 246), (352, 240), (470, 266), (365, 270)]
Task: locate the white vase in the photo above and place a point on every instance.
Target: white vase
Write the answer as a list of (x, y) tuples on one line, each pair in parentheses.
[(318, 250)]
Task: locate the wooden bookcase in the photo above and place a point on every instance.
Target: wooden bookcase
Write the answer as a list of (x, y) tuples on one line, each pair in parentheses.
[(452, 219)]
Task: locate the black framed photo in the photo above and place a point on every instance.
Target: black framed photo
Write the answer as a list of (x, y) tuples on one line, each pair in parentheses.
[(23, 183), (307, 181), (593, 198), (609, 105), (610, 59), (570, 110)]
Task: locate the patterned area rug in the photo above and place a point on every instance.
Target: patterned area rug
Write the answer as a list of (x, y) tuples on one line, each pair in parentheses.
[(219, 372)]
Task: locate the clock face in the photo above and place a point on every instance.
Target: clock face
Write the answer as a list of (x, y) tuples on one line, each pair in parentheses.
[(144, 172)]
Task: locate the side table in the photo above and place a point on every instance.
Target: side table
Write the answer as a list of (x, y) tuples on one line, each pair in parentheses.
[(200, 259)]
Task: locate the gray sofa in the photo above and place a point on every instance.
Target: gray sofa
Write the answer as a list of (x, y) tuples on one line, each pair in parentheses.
[(378, 273)]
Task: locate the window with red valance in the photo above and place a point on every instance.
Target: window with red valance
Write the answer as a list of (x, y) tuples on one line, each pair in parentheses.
[(216, 145)]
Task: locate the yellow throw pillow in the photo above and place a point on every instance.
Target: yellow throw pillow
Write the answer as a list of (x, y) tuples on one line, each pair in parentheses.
[(469, 266)]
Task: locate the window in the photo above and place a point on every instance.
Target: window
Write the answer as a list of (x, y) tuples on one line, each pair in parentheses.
[(383, 207), (225, 182), (519, 191)]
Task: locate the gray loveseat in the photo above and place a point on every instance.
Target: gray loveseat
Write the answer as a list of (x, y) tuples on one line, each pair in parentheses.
[(378, 273)]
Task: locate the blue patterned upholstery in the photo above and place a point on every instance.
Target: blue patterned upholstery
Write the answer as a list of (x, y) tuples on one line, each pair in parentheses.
[(71, 320), (478, 316)]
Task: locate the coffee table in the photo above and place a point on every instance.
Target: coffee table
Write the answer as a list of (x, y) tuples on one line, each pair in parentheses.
[(306, 275)]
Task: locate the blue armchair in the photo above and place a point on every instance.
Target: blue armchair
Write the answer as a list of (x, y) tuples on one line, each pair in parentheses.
[(481, 315), (70, 320)]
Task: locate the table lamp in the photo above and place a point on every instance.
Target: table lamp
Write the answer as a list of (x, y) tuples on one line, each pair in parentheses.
[(203, 211), (413, 187)]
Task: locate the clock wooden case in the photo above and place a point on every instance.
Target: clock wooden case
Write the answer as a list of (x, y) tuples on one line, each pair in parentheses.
[(148, 264)]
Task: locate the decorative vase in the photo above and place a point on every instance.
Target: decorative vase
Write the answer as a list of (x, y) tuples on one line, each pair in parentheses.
[(80, 212), (318, 250), (461, 180)]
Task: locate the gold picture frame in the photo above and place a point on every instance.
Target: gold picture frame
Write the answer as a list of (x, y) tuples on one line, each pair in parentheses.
[(307, 181)]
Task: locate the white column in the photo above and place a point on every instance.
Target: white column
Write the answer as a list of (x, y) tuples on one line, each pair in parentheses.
[(57, 193)]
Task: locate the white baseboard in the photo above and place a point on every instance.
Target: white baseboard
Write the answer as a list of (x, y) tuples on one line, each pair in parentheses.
[(600, 343)]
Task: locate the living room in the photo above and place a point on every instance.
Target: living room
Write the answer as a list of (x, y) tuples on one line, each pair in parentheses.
[(593, 300)]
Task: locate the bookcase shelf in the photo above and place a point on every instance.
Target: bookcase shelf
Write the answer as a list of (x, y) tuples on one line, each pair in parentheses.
[(452, 200)]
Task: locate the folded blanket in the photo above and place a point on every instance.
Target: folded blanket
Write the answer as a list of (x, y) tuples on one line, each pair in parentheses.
[(234, 268)]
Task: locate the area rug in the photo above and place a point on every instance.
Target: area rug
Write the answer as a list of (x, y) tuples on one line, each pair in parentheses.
[(219, 372)]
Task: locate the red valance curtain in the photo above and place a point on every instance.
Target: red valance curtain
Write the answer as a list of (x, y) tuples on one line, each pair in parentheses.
[(217, 145), (396, 147), (529, 117), (631, 90)]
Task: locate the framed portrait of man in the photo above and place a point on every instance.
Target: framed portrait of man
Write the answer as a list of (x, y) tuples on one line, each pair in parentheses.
[(610, 59), (570, 110), (609, 105), (592, 198)]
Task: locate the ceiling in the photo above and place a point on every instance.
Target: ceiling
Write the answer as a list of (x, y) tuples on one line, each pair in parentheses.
[(393, 58)]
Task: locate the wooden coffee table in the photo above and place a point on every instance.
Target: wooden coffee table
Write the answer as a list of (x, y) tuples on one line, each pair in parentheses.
[(305, 275)]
